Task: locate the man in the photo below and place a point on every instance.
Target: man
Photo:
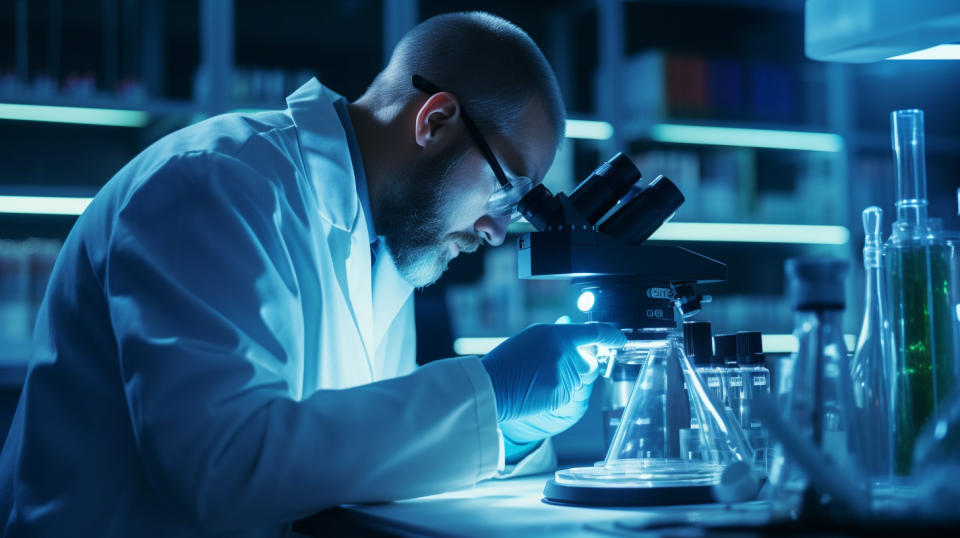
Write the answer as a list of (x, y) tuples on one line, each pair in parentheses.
[(226, 342)]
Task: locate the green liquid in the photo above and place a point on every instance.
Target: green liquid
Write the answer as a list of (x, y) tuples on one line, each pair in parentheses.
[(923, 343)]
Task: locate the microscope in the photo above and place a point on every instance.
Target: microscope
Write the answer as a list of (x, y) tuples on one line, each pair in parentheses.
[(664, 451), (622, 281)]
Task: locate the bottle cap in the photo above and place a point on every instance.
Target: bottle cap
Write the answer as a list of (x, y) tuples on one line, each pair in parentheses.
[(725, 349), (697, 342), (816, 283), (749, 347)]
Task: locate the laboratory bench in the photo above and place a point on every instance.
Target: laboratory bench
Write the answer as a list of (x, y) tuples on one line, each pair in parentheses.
[(515, 507)]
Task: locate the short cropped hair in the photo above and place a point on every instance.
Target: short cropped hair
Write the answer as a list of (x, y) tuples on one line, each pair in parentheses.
[(490, 64)]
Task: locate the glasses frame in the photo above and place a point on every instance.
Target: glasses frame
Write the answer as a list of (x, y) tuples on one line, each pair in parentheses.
[(428, 87)]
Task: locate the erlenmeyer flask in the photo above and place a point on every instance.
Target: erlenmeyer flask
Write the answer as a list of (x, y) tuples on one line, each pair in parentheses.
[(815, 394), (673, 441)]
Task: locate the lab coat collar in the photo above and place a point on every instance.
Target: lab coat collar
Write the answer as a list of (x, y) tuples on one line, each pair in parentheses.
[(379, 292), (322, 140)]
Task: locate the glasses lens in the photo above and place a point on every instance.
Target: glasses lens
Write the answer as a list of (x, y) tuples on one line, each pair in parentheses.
[(503, 202)]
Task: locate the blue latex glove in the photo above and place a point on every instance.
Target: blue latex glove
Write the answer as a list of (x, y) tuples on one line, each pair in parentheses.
[(538, 427), (541, 381)]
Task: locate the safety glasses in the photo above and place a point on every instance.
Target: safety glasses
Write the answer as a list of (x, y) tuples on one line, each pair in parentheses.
[(503, 201)]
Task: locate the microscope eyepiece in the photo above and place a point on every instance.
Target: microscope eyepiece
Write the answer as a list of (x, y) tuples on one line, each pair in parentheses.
[(587, 203), (610, 182), (645, 212), (538, 206)]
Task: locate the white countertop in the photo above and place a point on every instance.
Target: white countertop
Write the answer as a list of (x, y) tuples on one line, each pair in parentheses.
[(515, 507)]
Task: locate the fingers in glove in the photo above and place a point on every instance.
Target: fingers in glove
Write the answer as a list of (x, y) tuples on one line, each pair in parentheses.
[(584, 334), (582, 393)]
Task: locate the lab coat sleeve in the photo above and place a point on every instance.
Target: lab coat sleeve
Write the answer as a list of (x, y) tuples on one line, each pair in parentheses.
[(203, 301)]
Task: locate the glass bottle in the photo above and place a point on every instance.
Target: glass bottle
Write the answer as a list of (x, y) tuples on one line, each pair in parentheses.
[(814, 391), (919, 312), (698, 345), (869, 369), (756, 378), (725, 360)]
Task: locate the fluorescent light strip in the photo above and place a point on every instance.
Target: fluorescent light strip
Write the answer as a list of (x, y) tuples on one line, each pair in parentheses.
[(737, 233), (72, 114), (772, 343), (589, 130), (753, 233), (735, 136), (43, 205), (939, 52), (475, 346), (582, 129), (787, 343)]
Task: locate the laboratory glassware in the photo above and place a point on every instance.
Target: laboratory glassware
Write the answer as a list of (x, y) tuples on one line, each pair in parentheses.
[(725, 358), (617, 387), (698, 344), (920, 315), (755, 378), (870, 367), (936, 464), (673, 441), (814, 390), (952, 240)]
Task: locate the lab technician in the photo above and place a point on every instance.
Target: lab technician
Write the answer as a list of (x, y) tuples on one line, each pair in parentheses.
[(227, 341)]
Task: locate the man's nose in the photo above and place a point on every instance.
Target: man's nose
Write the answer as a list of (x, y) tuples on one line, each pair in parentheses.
[(492, 229)]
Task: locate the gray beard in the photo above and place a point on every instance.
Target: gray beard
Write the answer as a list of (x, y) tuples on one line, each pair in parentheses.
[(414, 223)]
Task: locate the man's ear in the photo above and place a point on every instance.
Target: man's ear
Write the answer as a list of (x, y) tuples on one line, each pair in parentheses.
[(437, 119)]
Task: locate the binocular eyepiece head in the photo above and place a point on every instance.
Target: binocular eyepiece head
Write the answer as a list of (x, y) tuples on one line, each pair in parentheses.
[(596, 195)]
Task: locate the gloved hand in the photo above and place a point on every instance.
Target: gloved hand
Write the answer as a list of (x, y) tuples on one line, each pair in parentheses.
[(540, 380)]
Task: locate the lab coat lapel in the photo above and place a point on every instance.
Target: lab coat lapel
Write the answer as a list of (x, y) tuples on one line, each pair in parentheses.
[(390, 292), (327, 163), (359, 285)]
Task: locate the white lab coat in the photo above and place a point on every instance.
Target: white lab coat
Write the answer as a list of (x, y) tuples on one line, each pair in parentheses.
[(215, 354)]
